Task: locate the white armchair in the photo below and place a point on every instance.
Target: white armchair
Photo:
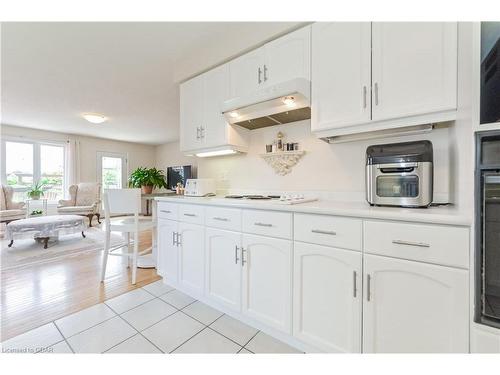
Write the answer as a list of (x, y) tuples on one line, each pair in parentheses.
[(10, 210), (85, 200)]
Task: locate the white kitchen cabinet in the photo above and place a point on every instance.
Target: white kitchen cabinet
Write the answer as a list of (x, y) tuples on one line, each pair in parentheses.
[(247, 73), (223, 267), (327, 297), (414, 307), (191, 113), (414, 68), (341, 74), (267, 280), (288, 57), (192, 257), (167, 250)]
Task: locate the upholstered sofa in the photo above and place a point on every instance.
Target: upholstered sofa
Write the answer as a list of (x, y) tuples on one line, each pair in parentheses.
[(10, 210), (85, 200)]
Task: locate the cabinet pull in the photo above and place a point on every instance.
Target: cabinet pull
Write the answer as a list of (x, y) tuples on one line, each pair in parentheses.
[(243, 261), (259, 79), (263, 224), (329, 232), (173, 238), (198, 133), (376, 93), (265, 73), (236, 248), (368, 287), (190, 215), (202, 132), (221, 218), (364, 96), (179, 239), (166, 211), (409, 243), (354, 284)]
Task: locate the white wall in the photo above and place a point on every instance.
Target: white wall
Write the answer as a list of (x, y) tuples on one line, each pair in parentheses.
[(337, 168), (138, 154)]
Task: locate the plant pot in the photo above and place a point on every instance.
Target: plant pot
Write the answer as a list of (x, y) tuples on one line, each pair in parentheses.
[(147, 189), (35, 197)]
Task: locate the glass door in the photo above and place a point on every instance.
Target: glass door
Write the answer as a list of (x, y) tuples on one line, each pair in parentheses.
[(491, 246), (112, 170)]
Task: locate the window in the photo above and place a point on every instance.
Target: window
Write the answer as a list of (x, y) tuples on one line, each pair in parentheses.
[(112, 170), (27, 162)]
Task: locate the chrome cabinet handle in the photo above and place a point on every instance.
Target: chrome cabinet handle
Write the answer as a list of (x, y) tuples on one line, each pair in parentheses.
[(329, 232), (259, 79), (409, 243), (173, 238), (368, 287), (190, 215), (243, 261), (202, 132), (236, 248), (263, 224), (376, 93), (354, 284), (364, 96), (265, 73), (179, 239), (198, 133), (166, 211), (221, 218)]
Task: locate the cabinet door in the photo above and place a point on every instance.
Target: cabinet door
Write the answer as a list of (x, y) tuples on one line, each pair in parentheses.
[(167, 250), (327, 297), (245, 77), (267, 280), (414, 68), (192, 257), (414, 307), (223, 267), (191, 114), (215, 92), (341, 74), (288, 57)]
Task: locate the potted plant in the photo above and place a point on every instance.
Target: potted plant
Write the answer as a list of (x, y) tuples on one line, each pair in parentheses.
[(36, 190), (147, 179)]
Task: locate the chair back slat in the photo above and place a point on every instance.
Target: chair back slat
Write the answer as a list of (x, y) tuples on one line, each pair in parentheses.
[(122, 201)]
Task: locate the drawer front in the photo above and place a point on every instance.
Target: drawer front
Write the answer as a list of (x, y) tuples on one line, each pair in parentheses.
[(223, 218), (329, 231), (437, 244), (191, 213), (167, 210), (268, 223)]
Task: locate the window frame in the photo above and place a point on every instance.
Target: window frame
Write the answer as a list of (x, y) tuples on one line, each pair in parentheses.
[(37, 165)]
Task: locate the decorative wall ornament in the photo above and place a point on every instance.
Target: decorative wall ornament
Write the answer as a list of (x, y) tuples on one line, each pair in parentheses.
[(282, 161)]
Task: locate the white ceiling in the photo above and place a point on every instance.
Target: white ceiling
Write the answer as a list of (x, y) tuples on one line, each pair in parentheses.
[(54, 72)]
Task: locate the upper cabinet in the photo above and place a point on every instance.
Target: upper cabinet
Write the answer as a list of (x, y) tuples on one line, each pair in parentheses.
[(203, 127), (374, 76), (278, 61)]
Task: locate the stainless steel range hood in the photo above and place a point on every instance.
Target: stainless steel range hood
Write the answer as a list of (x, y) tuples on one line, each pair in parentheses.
[(279, 104)]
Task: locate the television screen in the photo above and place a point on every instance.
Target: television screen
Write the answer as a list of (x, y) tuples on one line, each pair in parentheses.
[(490, 72), (179, 174)]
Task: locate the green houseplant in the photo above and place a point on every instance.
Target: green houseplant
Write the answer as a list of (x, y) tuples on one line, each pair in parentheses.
[(147, 179), (36, 190)]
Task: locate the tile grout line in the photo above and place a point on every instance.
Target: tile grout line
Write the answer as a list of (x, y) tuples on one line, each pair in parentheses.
[(124, 339), (64, 338), (248, 342), (204, 328)]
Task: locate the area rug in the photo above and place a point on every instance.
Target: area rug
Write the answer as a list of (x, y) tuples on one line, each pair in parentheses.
[(28, 252)]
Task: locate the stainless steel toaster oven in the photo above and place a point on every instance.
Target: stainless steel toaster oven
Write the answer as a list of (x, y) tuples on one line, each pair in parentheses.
[(400, 174)]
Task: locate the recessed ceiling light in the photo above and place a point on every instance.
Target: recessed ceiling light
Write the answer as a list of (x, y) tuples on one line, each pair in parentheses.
[(94, 118), (233, 114), (289, 101)]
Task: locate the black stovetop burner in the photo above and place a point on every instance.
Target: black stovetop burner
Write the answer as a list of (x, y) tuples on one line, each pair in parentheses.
[(256, 197)]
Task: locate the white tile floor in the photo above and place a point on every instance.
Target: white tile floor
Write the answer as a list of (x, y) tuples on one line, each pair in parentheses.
[(153, 319)]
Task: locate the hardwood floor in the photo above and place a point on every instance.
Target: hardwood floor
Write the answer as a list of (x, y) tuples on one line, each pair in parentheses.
[(34, 296)]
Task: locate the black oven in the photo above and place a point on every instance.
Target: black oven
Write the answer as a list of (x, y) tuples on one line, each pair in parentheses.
[(487, 258)]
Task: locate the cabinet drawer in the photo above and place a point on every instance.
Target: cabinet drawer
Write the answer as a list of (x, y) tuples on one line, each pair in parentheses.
[(328, 230), (223, 218), (268, 223), (437, 244), (190, 213), (167, 210)]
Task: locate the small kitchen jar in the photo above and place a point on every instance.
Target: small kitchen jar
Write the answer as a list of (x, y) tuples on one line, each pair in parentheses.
[(295, 147), (269, 148)]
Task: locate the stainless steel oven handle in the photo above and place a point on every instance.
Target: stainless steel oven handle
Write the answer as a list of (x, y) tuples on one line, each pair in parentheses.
[(397, 165), (410, 243)]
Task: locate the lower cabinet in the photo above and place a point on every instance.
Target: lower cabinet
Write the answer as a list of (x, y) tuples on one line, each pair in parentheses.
[(414, 307), (223, 267), (267, 280), (327, 297), (192, 257), (167, 250)]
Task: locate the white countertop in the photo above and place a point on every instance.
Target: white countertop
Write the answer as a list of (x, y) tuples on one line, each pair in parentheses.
[(436, 215)]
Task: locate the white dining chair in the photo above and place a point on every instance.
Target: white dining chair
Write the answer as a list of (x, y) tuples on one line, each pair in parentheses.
[(124, 202)]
